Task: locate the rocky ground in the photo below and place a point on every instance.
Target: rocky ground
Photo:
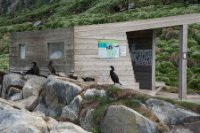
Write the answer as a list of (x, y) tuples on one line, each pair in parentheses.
[(54, 105)]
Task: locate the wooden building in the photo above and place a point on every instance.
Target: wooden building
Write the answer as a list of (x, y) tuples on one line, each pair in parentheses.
[(90, 50)]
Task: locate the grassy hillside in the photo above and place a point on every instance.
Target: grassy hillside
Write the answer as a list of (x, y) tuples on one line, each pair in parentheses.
[(67, 13)]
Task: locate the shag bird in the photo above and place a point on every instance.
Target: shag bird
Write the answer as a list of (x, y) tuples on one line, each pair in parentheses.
[(114, 76), (51, 68), (34, 69)]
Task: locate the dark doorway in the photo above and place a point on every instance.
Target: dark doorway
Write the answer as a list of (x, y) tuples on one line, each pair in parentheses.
[(140, 45)]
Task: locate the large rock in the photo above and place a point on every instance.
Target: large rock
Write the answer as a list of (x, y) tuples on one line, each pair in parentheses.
[(71, 112), (94, 92), (31, 91), (121, 119), (56, 95), (180, 129), (16, 97), (194, 126), (12, 91), (1, 76), (28, 103), (38, 23), (167, 113), (21, 129), (0, 89), (67, 127), (14, 119), (33, 86), (86, 121), (51, 123), (12, 80)]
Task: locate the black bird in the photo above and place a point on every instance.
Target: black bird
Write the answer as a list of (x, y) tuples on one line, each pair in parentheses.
[(88, 79), (51, 68), (34, 69), (114, 76)]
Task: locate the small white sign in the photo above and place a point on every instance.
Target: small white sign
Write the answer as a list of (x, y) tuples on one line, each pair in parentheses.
[(122, 50), (184, 55)]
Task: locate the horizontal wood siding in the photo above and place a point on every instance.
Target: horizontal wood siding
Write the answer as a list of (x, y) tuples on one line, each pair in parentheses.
[(87, 62), (37, 50), (121, 27)]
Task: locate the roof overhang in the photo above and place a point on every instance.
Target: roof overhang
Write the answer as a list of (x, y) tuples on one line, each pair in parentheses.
[(119, 27)]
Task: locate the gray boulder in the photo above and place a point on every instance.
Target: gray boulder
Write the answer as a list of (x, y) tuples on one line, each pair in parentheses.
[(71, 112), (33, 86), (67, 127), (14, 119), (21, 129), (121, 119), (86, 121), (56, 95), (191, 119), (38, 23), (167, 113), (193, 126), (42, 108), (11, 80), (28, 103), (51, 123), (16, 97), (0, 88), (180, 129), (12, 91), (94, 92), (1, 74)]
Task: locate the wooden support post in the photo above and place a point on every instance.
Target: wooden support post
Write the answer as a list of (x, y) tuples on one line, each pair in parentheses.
[(183, 62), (153, 61)]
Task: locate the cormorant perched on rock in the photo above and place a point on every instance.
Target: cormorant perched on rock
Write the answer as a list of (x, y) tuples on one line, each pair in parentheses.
[(34, 69), (88, 79), (51, 68), (114, 76)]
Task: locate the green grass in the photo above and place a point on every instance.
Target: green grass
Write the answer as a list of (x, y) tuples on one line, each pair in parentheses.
[(86, 12), (167, 57), (4, 62)]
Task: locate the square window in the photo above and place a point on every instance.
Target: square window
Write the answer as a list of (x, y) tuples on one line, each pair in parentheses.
[(56, 50), (22, 51)]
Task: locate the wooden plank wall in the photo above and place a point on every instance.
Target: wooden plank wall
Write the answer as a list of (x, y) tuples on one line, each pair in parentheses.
[(87, 62), (37, 50)]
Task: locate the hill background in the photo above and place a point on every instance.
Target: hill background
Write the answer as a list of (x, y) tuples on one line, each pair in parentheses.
[(22, 15)]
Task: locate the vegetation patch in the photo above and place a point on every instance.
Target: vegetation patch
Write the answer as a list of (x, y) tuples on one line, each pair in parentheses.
[(4, 62)]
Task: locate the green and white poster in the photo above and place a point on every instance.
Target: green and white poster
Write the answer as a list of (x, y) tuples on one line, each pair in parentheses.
[(108, 49)]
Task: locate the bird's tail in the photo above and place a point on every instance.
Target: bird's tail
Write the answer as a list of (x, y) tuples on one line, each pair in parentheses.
[(120, 83)]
